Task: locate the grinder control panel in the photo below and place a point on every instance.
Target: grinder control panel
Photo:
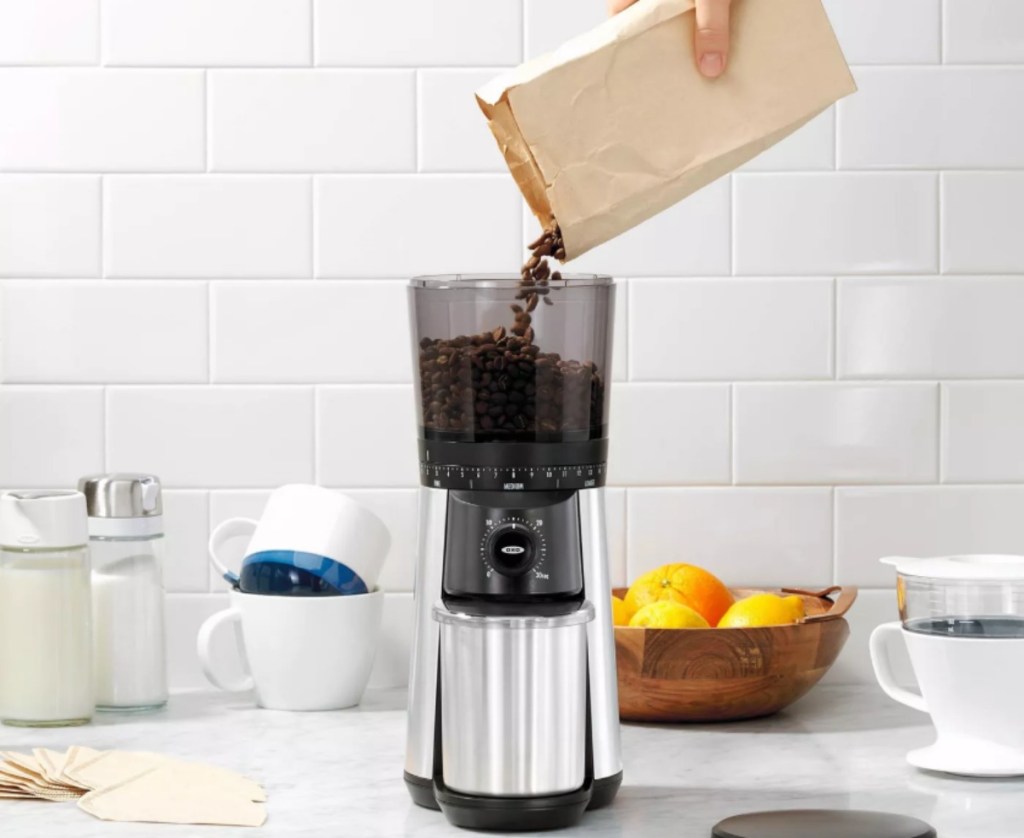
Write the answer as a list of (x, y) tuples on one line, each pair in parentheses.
[(502, 547), (514, 546)]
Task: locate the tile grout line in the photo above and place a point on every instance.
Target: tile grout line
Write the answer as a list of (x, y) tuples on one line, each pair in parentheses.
[(524, 26), (940, 459), (100, 57), (495, 174), (970, 66), (312, 33), (942, 32)]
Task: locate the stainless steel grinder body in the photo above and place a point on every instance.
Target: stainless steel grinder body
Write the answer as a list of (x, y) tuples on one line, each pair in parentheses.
[(512, 687)]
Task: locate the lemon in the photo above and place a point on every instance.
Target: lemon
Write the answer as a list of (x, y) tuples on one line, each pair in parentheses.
[(620, 612), (763, 610), (667, 614)]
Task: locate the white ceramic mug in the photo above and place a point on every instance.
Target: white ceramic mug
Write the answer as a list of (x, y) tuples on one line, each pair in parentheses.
[(316, 522), (302, 653), (971, 687)]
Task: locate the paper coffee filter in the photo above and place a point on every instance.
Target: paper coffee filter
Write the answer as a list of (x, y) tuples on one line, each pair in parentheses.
[(29, 779), (51, 762), (22, 776), (108, 768), (133, 786), (173, 793), (77, 755)]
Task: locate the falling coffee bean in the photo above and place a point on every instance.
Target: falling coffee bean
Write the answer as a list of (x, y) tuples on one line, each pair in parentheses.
[(499, 384)]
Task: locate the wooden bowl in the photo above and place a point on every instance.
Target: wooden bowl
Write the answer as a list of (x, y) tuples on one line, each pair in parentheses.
[(717, 675)]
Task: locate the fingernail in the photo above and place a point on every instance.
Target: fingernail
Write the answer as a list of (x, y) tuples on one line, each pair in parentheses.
[(712, 64)]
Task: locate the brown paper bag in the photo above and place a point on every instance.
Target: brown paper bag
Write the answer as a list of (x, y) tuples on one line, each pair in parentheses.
[(617, 124)]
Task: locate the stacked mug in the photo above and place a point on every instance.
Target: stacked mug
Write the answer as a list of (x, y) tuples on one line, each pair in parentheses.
[(305, 601)]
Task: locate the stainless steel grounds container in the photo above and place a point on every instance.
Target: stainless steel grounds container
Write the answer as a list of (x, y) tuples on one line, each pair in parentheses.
[(513, 720)]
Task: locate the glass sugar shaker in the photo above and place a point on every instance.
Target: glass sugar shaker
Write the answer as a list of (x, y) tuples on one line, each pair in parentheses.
[(126, 537), (46, 675)]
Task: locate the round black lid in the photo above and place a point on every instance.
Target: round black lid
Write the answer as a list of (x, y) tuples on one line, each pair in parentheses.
[(816, 823)]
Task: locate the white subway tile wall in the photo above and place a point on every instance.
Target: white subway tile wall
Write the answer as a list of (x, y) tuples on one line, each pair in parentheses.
[(207, 33), (883, 32), (452, 135), (312, 120), (87, 119), (50, 225), (208, 209), (49, 32)]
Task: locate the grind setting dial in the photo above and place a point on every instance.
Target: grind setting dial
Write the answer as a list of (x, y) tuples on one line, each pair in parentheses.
[(513, 547)]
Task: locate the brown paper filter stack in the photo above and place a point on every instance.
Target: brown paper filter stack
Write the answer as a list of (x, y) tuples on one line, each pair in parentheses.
[(134, 786), (617, 124)]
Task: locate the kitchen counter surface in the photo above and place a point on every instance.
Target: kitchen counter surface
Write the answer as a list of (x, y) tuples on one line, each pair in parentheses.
[(340, 774)]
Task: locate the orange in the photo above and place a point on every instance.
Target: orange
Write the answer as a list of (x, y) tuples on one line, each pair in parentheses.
[(763, 610), (686, 584), (666, 614), (620, 612)]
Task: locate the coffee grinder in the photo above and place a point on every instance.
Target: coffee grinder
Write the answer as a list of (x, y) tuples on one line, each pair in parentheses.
[(513, 707)]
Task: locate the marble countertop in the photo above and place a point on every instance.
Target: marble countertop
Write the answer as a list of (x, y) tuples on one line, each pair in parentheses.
[(340, 774)]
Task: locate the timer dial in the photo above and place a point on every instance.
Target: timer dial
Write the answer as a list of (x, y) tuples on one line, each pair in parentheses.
[(512, 547)]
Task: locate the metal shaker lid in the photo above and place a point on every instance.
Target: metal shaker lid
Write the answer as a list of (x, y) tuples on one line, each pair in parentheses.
[(123, 504)]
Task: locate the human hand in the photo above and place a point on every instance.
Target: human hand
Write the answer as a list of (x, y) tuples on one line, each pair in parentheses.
[(711, 34)]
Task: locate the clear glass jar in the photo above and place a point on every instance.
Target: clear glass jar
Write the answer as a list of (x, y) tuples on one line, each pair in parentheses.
[(127, 539), (128, 617), (969, 596), (477, 381), (46, 676)]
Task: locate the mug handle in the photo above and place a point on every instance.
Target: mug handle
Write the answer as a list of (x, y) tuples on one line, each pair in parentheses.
[(880, 638), (206, 632), (228, 529)]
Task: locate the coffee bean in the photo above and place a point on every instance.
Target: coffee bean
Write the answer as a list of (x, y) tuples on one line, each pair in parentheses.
[(536, 242), (499, 382)]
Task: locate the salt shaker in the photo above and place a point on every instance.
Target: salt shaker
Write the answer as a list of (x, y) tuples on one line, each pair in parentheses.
[(126, 538), (46, 677)]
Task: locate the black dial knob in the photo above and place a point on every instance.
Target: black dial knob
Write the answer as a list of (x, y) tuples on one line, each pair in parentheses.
[(511, 550)]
